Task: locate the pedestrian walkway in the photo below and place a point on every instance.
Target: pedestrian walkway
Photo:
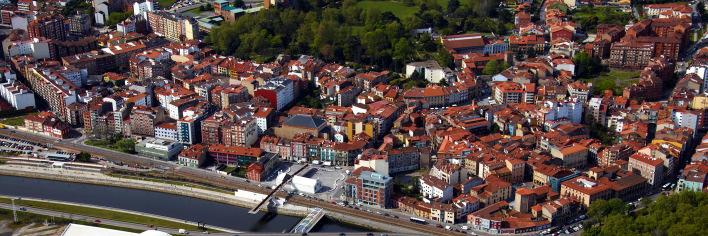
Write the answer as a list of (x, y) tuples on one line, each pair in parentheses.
[(309, 222)]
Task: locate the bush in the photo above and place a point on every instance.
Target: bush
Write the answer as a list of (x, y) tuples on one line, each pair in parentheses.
[(83, 157)]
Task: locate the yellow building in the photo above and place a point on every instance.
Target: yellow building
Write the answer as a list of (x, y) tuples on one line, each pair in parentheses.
[(585, 190), (355, 127), (699, 102)]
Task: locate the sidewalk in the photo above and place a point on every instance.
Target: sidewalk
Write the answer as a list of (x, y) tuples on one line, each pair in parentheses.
[(118, 210), (101, 179), (110, 222)]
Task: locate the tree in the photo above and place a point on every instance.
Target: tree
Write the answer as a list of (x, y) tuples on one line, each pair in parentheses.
[(116, 17), (126, 145), (444, 58), (702, 10), (585, 65), (491, 68), (452, 6), (494, 129), (503, 66), (602, 208), (83, 157), (417, 75), (402, 51), (681, 213)]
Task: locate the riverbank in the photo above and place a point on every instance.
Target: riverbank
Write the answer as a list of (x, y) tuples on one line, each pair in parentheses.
[(102, 179), (101, 212)]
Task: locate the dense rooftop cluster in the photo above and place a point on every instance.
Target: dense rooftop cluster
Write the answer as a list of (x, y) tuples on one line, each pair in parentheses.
[(515, 138)]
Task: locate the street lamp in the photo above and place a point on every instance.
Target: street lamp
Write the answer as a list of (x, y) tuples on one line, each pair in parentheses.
[(14, 210)]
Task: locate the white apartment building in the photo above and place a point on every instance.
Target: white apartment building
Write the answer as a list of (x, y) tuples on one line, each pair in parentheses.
[(16, 93), (166, 131), (37, 48), (141, 8), (431, 71), (433, 187)]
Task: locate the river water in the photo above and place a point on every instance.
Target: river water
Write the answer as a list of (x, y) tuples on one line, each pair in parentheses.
[(180, 207)]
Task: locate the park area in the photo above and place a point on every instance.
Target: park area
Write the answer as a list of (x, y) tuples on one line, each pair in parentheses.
[(398, 8), (615, 80), (588, 17), (165, 3)]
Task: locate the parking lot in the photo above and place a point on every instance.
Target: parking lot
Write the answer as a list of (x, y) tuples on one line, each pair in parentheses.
[(9, 145), (330, 178)]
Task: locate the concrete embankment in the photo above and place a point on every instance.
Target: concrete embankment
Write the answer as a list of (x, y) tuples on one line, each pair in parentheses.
[(102, 179)]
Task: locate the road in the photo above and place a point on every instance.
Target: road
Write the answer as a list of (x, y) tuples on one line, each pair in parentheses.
[(58, 214), (110, 222), (216, 179)]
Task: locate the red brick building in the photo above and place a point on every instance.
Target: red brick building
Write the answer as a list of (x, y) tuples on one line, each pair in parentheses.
[(48, 124), (258, 170), (650, 38), (630, 54), (50, 27)]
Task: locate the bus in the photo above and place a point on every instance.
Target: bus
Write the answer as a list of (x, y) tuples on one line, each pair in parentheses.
[(418, 220)]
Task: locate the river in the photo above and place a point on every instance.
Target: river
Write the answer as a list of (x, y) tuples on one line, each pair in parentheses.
[(180, 207)]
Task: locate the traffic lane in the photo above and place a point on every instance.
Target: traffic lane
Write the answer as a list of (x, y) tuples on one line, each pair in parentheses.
[(372, 217), (104, 221)]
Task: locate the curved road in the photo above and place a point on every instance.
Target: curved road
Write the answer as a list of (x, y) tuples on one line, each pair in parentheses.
[(213, 178), (110, 222)]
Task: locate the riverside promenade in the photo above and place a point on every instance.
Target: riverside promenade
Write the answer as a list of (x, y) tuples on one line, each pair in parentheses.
[(111, 222), (97, 178)]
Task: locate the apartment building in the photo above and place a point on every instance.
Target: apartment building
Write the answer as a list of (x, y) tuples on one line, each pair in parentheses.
[(585, 190), (53, 87), (649, 167), (280, 92), (630, 54), (143, 120), (52, 26), (173, 26), (152, 63), (369, 188), (14, 92)]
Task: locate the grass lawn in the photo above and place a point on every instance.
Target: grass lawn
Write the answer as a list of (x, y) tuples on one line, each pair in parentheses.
[(590, 17), (14, 121), (615, 80), (165, 3), (195, 11), (229, 169), (397, 8), (25, 218), (123, 145), (101, 213)]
